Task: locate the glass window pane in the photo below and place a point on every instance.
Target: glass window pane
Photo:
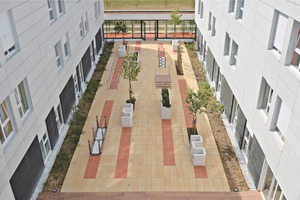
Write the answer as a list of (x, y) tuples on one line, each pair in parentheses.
[(23, 97), (1, 136), (7, 129), (3, 114)]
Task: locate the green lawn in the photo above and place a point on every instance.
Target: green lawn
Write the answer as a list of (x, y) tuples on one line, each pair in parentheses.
[(149, 4)]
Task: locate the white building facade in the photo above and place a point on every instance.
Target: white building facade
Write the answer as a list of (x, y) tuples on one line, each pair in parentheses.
[(48, 50), (251, 53)]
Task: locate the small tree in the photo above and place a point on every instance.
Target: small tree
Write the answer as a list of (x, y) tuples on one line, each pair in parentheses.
[(130, 70), (136, 3), (120, 27), (165, 2), (107, 3), (175, 20), (196, 103), (178, 62)]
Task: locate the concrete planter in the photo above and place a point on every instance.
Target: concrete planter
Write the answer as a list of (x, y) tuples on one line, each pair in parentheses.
[(175, 45), (122, 50), (166, 112)]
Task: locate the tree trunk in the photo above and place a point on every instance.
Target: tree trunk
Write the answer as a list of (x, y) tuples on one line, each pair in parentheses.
[(174, 31)]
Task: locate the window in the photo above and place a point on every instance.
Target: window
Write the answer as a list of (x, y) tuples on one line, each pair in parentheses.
[(61, 6), (231, 6), (21, 99), (234, 114), (7, 35), (227, 44), (271, 188), (233, 54), (239, 9), (246, 144), (282, 115), (6, 128), (45, 146), (86, 23), (296, 53), (213, 31), (66, 45), (278, 31), (200, 9), (267, 98), (51, 10), (209, 21), (81, 75), (97, 9), (231, 49), (81, 28), (59, 118), (76, 86), (58, 54)]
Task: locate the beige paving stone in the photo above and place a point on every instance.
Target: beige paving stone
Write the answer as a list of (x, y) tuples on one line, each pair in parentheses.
[(146, 171)]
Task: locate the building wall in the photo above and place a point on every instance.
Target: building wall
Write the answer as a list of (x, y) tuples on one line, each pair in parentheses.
[(257, 60), (35, 62)]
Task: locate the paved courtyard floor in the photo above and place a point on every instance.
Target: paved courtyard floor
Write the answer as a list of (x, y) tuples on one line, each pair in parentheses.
[(154, 154)]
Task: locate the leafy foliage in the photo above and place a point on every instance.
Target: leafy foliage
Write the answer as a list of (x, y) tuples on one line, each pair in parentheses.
[(120, 27), (64, 156), (175, 20), (165, 97), (130, 70)]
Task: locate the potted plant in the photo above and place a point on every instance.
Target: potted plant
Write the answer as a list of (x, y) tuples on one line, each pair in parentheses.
[(165, 99), (175, 20), (178, 62), (196, 103), (130, 70)]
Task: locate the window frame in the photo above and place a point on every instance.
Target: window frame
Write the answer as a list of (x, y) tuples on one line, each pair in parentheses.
[(58, 54), (51, 8), (20, 101), (59, 118), (45, 140), (295, 60), (267, 99), (231, 6), (61, 7), (213, 30), (7, 122)]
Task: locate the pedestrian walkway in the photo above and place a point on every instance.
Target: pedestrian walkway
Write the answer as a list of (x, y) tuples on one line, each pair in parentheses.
[(154, 154)]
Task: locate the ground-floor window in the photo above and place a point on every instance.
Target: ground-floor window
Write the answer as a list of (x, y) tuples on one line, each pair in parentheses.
[(246, 144), (45, 146), (270, 188)]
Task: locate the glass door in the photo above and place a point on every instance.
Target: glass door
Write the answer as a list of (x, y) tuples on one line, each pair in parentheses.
[(143, 30)]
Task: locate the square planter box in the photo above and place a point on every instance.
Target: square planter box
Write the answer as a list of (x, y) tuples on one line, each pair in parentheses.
[(166, 113)]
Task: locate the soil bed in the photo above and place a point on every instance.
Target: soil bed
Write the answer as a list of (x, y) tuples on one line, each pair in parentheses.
[(229, 159)]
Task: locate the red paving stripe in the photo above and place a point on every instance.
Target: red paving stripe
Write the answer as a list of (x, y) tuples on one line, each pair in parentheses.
[(138, 46), (93, 162), (167, 140), (161, 51), (200, 172), (187, 114), (106, 111), (114, 79), (123, 154), (92, 167)]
